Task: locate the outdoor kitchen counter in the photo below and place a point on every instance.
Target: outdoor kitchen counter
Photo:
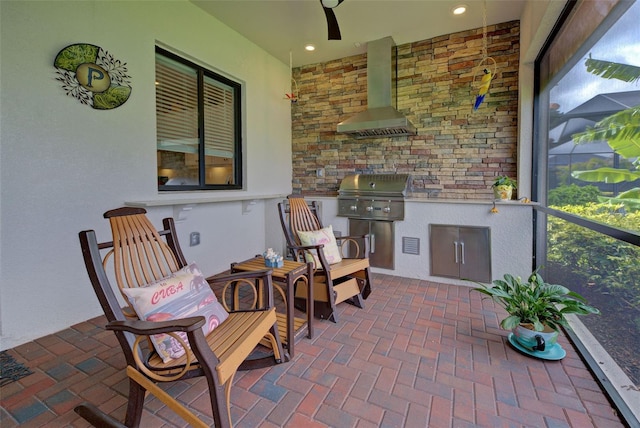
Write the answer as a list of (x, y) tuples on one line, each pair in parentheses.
[(426, 199), (511, 231), (421, 197)]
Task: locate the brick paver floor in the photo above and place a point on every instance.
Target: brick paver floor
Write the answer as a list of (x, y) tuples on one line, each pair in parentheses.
[(421, 354)]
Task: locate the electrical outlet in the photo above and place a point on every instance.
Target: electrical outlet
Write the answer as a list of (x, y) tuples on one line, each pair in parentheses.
[(194, 239)]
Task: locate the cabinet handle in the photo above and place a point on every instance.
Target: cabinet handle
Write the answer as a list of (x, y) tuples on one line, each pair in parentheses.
[(455, 250), (462, 251), (372, 243)]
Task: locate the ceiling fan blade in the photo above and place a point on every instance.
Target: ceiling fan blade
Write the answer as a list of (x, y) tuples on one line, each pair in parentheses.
[(332, 24)]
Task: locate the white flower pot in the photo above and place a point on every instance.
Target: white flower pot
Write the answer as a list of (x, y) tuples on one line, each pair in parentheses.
[(535, 340), (503, 192)]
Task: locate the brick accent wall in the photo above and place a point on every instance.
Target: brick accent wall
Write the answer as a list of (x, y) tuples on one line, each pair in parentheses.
[(457, 152)]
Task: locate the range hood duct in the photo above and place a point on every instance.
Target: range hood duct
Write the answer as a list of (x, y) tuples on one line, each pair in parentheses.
[(380, 119)]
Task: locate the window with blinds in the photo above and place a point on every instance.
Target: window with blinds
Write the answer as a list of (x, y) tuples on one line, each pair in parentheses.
[(198, 122)]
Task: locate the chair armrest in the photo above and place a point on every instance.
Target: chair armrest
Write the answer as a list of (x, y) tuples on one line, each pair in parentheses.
[(307, 247), (220, 277), (263, 274), (146, 328), (191, 326), (300, 249), (297, 251), (361, 241)]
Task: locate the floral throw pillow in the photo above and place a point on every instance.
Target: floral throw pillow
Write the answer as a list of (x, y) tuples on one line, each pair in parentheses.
[(183, 294), (323, 236)]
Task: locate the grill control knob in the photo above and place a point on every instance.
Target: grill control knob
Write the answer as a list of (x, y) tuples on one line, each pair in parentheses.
[(353, 208), (369, 208), (386, 209)]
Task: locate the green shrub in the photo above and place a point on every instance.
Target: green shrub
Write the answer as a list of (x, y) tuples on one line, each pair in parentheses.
[(573, 195), (612, 264)]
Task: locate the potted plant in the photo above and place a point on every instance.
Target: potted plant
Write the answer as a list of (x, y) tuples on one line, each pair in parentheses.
[(503, 187), (535, 309)]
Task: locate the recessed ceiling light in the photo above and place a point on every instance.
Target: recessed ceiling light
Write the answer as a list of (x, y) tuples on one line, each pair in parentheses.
[(310, 48), (459, 10)]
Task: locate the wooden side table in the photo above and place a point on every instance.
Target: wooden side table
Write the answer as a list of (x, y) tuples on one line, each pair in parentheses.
[(290, 327)]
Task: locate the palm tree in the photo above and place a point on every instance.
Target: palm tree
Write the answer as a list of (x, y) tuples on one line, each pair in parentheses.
[(620, 130)]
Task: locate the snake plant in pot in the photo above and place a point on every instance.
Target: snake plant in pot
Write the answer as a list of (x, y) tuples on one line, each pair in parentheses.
[(536, 309)]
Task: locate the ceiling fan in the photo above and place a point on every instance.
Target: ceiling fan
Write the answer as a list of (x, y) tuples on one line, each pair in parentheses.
[(332, 22)]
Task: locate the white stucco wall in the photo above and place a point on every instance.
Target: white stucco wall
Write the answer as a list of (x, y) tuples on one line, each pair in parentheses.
[(63, 164)]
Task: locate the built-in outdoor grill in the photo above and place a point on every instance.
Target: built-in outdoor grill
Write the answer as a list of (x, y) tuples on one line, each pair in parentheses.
[(373, 202), (373, 196)]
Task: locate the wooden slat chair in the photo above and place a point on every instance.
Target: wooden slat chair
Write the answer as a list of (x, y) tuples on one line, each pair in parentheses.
[(141, 255), (348, 280)]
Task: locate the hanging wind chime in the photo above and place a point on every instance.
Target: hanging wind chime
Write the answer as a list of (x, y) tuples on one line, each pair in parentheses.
[(292, 95), (486, 68)]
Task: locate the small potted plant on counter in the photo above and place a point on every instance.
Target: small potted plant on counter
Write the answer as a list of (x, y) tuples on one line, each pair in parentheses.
[(503, 187), (536, 311)]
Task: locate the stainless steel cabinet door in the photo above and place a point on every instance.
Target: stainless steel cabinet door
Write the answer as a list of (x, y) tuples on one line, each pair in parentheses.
[(382, 244), (443, 244), (357, 227), (382, 240), (460, 252), (475, 254)]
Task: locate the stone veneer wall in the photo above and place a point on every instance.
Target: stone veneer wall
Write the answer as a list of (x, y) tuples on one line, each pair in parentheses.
[(456, 153)]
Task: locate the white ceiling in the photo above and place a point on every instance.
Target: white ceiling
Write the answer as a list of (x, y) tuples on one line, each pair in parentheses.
[(284, 26)]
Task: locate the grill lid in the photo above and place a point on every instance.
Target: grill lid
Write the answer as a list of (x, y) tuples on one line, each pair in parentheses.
[(374, 184)]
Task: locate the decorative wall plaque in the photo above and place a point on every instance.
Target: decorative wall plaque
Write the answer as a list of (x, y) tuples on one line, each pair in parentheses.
[(93, 76)]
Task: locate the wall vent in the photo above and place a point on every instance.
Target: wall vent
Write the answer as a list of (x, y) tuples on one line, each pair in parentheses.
[(411, 245)]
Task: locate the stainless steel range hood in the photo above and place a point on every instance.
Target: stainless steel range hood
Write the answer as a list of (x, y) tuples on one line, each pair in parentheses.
[(380, 119)]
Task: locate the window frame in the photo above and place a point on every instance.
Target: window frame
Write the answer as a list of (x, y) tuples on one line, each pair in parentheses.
[(540, 183), (237, 161)]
